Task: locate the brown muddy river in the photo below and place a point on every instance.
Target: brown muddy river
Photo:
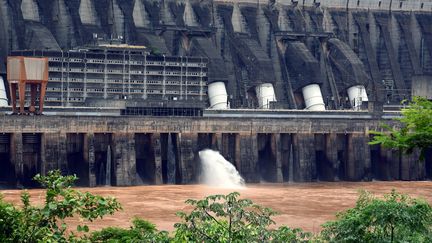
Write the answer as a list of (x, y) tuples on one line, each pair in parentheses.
[(305, 205)]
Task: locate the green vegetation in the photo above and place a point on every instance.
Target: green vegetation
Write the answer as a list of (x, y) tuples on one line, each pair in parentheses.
[(225, 218), (216, 218), (46, 223), (396, 218), (416, 131)]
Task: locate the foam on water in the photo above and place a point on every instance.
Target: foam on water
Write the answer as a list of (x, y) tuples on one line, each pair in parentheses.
[(217, 171)]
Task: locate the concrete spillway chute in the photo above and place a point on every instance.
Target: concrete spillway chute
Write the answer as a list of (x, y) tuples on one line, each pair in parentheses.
[(118, 20), (3, 96), (238, 21), (166, 16), (189, 17), (265, 94), (87, 13), (218, 95), (328, 24), (283, 22), (30, 10), (140, 16), (313, 97), (357, 95)]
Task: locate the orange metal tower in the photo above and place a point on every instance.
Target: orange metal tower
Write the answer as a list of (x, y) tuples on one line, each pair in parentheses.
[(27, 70)]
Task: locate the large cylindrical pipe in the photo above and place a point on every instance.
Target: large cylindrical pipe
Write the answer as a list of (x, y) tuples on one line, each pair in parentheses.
[(357, 95), (313, 97), (3, 96), (265, 94), (218, 95)]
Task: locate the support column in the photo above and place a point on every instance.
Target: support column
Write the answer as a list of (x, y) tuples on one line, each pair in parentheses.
[(188, 163), (285, 155), (124, 158), (89, 157), (276, 146), (17, 157), (412, 167), (53, 152), (228, 144), (304, 166), (247, 153), (156, 144), (358, 157), (331, 154)]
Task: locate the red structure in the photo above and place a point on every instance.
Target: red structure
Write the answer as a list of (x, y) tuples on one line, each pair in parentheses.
[(27, 70)]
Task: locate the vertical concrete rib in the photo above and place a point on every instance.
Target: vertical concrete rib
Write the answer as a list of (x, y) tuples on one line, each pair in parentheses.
[(156, 145), (89, 157), (17, 157), (385, 26), (372, 61), (124, 161)]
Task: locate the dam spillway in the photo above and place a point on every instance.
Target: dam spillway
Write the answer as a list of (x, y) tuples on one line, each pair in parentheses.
[(299, 83), (297, 146)]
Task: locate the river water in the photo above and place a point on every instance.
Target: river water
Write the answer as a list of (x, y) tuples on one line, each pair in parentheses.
[(305, 205)]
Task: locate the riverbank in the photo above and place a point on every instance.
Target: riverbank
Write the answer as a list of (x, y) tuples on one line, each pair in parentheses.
[(304, 205)]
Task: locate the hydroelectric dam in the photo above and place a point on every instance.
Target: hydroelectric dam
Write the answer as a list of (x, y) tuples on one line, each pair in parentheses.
[(285, 90)]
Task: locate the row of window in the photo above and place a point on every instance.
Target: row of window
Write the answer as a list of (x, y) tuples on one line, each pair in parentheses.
[(110, 61)]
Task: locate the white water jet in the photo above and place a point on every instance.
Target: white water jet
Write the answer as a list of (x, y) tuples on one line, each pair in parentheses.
[(217, 171)]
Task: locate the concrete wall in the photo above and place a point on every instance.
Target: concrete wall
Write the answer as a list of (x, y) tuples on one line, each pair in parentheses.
[(274, 150)]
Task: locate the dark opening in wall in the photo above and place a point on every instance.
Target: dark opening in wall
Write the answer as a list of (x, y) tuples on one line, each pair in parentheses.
[(75, 158), (7, 171), (104, 164), (145, 158), (31, 158), (383, 161), (267, 158), (325, 171)]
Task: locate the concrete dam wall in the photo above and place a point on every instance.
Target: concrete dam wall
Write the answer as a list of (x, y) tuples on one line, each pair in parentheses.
[(301, 147), (275, 58), (383, 46)]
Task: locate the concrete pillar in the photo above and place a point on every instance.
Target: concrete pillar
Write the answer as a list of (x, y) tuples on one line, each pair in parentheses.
[(124, 162), (228, 145), (89, 157), (17, 157), (276, 145), (358, 157), (53, 152), (188, 163), (247, 154), (285, 155), (389, 165), (156, 144), (411, 167), (331, 154), (304, 161)]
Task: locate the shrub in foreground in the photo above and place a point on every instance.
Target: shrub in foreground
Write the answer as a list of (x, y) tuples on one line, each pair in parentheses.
[(226, 218), (47, 223), (395, 218)]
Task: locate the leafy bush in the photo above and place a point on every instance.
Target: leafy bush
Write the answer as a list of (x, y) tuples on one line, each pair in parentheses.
[(396, 218), (225, 218), (416, 131), (47, 223), (141, 231)]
